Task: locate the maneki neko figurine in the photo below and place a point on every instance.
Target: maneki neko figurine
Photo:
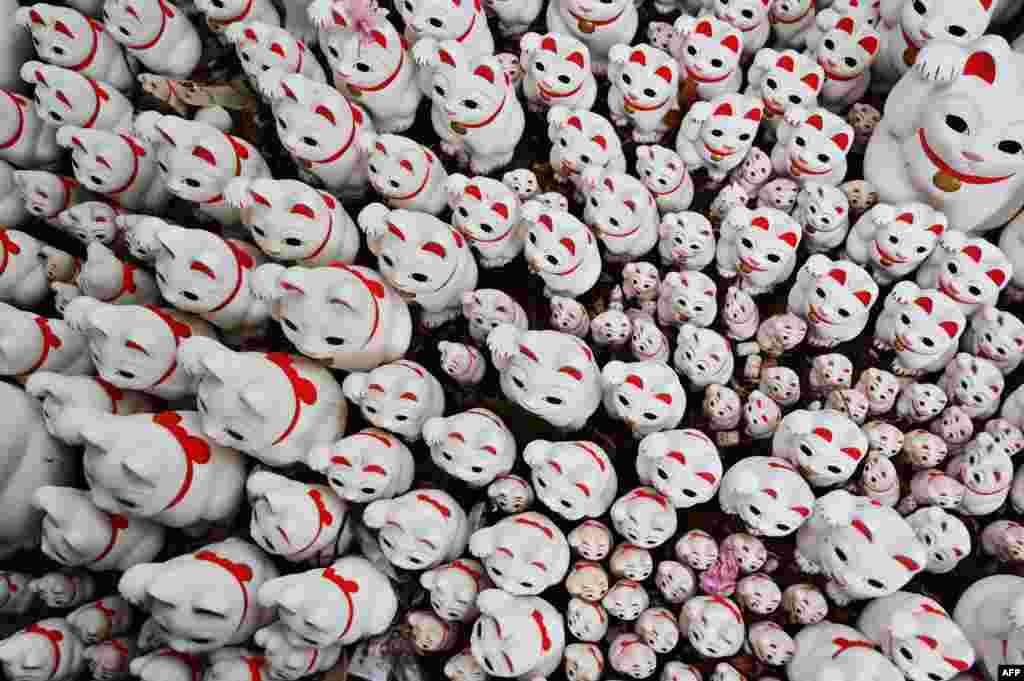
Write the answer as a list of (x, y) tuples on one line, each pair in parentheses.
[(997, 336), (400, 397), (812, 146), (48, 650), (580, 138), (550, 374), (197, 161), (519, 637), (921, 150), (156, 33), (826, 650), (622, 213), (599, 27), (453, 589), (13, 211), (644, 91), (162, 663), (33, 343), (717, 135), (101, 620), (971, 271), (990, 612), (109, 660), (28, 142), (825, 445), (487, 213), (293, 222), (487, 308), (159, 467), (557, 72), (474, 446), (287, 661), (272, 406), (420, 529), (405, 173), (768, 494), (206, 599), (835, 297), (759, 247), (714, 625), (261, 47), (923, 326), (464, 364), (561, 249), (346, 316), (365, 466), (15, 596), (647, 396), (683, 465), (23, 275), (77, 533), (573, 479), (65, 97), (523, 554), (709, 51), (783, 80), (47, 195), (109, 279)]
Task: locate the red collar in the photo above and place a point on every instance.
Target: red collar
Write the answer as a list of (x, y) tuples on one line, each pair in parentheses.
[(312, 660), (221, 23), (179, 330), (127, 285), (348, 587), (357, 120), (196, 450), (134, 149), (465, 569), (329, 203), (192, 661), (906, 37), (469, 30), (255, 665), (9, 247), (426, 178), (701, 79), (548, 94), (117, 523), (780, 20), (108, 612), (236, 147), (545, 639), (101, 95), (243, 261), (302, 389), (598, 23), (637, 107), (165, 13), (946, 169), (21, 123), (324, 519), (87, 62), (241, 572), (54, 637), (487, 121), (376, 291), (837, 77), (50, 342), (845, 644), (387, 81)]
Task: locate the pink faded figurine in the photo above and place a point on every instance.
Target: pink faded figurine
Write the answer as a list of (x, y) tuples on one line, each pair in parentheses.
[(550, 374), (28, 140), (292, 222), (759, 247), (406, 174), (759, 594), (894, 240), (824, 212), (76, 533), (429, 633), (646, 395), (517, 636), (923, 449), (641, 282), (917, 152), (464, 667), (971, 271), (645, 517), (629, 654), (109, 660), (866, 549), (371, 328), (591, 540), (462, 363), (881, 389), (580, 138), (835, 297), (748, 551), (709, 51), (687, 297), (101, 620), (879, 480), (557, 72), (588, 581), (703, 356), (33, 343), (427, 261), (398, 397), (583, 662), (995, 335), (740, 314), (273, 406), (812, 146), (573, 479), (835, 651), (297, 520), (697, 549), (675, 581), (768, 494), (486, 212), (804, 604), (196, 161), (365, 466), (261, 46), (954, 426), (107, 278), (782, 384), (644, 90), (780, 194), (510, 494), (626, 600), (721, 405), (48, 650), (716, 135), (683, 465), (1004, 541), (783, 80), (931, 487), (318, 127), (1006, 435), (47, 195), (847, 50), (664, 174), (474, 446), (419, 530), (921, 402), (686, 239), (714, 625), (944, 535), (752, 174), (523, 554), (849, 402), (761, 416), (485, 309), (770, 643), (631, 562), (974, 384), (922, 325), (341, 604)]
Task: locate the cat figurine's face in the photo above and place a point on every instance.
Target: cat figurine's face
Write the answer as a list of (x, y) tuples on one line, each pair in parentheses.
[(646, 395), (675, 581), (730, 127), (523, 554), (973, 383), (766, 241), (834, 297), (793, 80), (646, 76), (924, 326), (560, 64), (711, 51), (625, 600), (925, 20), (688, 296), (454, 587), (573, 479), (782, 384), (365, 466), (688, 237), (293, 519), (366, 59), (66, 97), (973, 272), (848, 48), (484, 210), (825, 446), (580, 138), (420, 529), (596, 13), (645, 517), (660, 169), (771, 644), (289, 220), (683, 465), (759, 594), (880, 387), (568, 315), (703, 356), (398, 167), (901, 244), (398, 397), (629, 654), (474, 446), (713, 625), (824, 210), (46, 195), (745, 15), (818, 147), (90, 221), (996, 335), (557, 243), (440, 19), (769, 495), (485, 309), (648, 342), (261, 47)]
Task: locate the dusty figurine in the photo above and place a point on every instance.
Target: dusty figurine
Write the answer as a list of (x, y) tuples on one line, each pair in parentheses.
[(107, 278), (974, 384), (920, 402), (101, 620), (697, 549), (883, 438), (1004, 541), (716, 135), (588, 581), (464, 667), (631, 562), (945, 535), (429, 633), (780, 194), (591, 540), (23, 273), (485, 309), (583, 662), (626, 600), (758, 247), (110, 659), (683, 465), (954, 426), (15, 596), (647, 342), (510, 494), (759, 594), (780, 333), (755, 171), (463, 363), (931, 487), (629, 654), (770, 643), (761, 415), (687, 297), (365, 466), (166, 663), (65, 588), (804, 604), (686, 240), (923, 449)]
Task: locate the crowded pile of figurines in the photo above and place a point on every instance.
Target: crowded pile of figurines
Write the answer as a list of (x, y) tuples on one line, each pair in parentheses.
[(807, 380)]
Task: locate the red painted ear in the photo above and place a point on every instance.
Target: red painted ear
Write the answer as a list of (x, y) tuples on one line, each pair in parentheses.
[(703, 28), (802, 510), (731, 42), (982, 65), (205, 154), (905, 217), (546, 221), (288, 92), (839, 275), (485, 72), (446, 58), (925, 304), (569, 245), (760, 223), (812, 81), (277, 49), (907, 562), (380, 147), (664, 397), (937, 229), (638, 58), (260, 199), (841, 140), (635, 381), (845, 25), (458, 238), (325, 112), (435, 248), (986, 5), (573, 372), (574, 121), (997, 276), (815, 121), (665, 73), (600, 141), (501, 209), (61, 28), (790, 238), (869, 43), (549, 44), (959, 665), (754, 115), (824, 433), (630, 204), (303, 210), (608, 183), (474, 191), (36, 17), (786, 62), (250, 34), (379, 38), (576, 58), (852, 452), (950, 328), (136, 148), (973, 252), (864, 297), (406, 165), (724, 109)]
